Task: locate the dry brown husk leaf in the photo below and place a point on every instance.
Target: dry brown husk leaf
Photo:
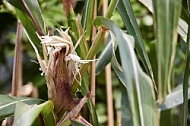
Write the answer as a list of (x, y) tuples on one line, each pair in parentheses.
[(60, 65)]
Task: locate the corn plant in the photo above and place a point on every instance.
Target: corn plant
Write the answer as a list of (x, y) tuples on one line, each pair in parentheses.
[(70, 55)]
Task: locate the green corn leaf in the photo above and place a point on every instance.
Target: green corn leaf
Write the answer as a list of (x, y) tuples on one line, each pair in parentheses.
[(173, 99), (29, 13), (130, 22), (76, 123), (105, 56), (87, 17), (7, 104), (126, 117), (25, 115), (31, 8), (138, 85), (30, 29), (166, 33)]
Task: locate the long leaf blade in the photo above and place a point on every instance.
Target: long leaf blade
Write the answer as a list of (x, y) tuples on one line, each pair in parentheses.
[(28, 11), (87, 17), (105, 56), (174, 99), (32, 9), (137, 82), (130, 22), (166, 31)]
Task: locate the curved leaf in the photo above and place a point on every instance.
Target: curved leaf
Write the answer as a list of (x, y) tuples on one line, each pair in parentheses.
[(174, 99), (29, 13), (7, 104), (138, 85), (30, 29), (31, 8), (25, 115), (105, 56), (131, 25)]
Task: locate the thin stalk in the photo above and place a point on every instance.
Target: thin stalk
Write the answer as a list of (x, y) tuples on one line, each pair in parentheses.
[(109, 95), (17, 66), (186, 76), (87, 17), (108, 80), (93, 64), (118, 117), (111, 8)]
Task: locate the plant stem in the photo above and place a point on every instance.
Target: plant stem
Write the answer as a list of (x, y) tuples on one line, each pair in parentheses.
[(17, 68), (111, 8), (109, 95), (93, 64), (108, 80)]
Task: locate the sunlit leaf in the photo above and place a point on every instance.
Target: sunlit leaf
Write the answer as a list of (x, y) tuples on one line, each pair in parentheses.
[(182, 29), (25, 115), (174, 99), (7, 104), (148, 4)]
